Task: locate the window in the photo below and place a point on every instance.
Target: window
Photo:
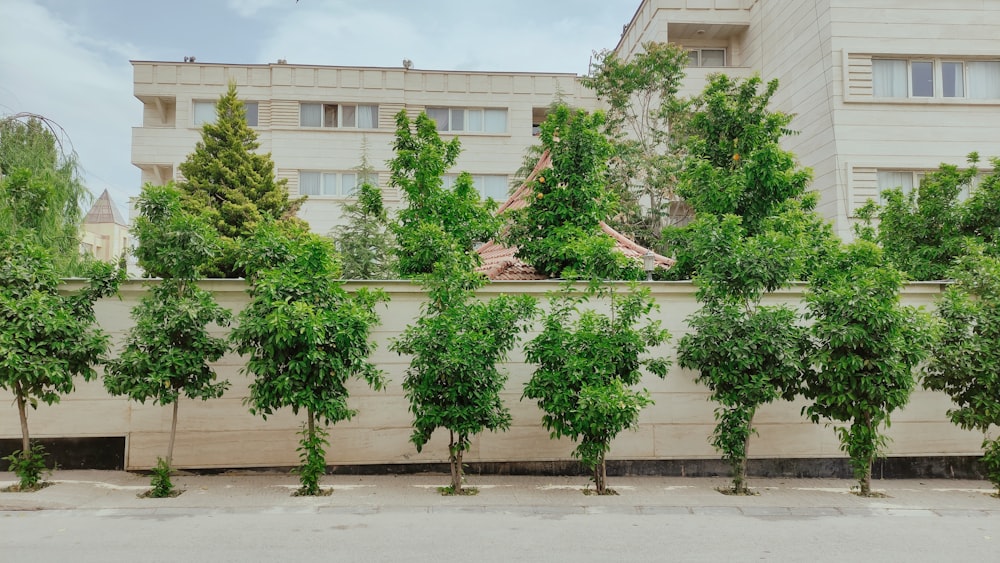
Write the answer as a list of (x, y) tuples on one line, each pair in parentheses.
[(328, 183), (204, 112), (706, 57), (338, 115), (909, 180), (936, 78), (488, 185), (471, 120)]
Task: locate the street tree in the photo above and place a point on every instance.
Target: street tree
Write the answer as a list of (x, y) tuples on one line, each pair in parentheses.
[(748, 354), (456, 346), (866, 347), (231, 185), (435, 217), (47, 338), (965, 359), (642, 117), (588, 364), (168, 351), (304, 336)]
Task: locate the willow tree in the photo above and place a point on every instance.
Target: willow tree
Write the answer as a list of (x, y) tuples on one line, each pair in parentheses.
[(41, 192)]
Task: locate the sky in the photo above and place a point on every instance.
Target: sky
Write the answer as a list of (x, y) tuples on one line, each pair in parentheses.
[(68, 60)]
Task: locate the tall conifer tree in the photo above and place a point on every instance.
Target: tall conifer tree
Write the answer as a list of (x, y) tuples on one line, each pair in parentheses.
[(230, 184)]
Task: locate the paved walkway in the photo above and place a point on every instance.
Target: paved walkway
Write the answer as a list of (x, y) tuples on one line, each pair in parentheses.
[(116, 491)]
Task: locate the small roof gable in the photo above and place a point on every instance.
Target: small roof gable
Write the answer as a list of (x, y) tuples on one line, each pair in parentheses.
[(105, 211)]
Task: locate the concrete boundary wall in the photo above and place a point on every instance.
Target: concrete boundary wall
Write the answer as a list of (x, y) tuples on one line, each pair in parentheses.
[(222, 434)]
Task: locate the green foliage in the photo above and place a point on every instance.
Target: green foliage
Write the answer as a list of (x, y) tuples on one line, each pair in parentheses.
[(232, 186), (168, 350), (453, 380), (47, 339), (735, 164), (991, 461), (312, 460), (925, 231), (364, 243), (163, 487), (965, 359), (865, 349), (747, 354), (559, 232), (921, 232), (643, 112), (436, 219), (587, 363), (29, 466), (41, 192), (304, 335)]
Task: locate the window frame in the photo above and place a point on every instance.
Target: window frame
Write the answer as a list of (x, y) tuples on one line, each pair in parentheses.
[(937, 78), (469, 115), (247, 104), (324, 122), (699, 50), (338, 191), (479, 181)]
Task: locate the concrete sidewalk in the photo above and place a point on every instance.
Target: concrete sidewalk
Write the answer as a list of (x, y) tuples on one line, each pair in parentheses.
[(254, 492)]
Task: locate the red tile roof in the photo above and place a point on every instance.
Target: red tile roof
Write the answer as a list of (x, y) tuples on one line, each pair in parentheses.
[(500, 262)]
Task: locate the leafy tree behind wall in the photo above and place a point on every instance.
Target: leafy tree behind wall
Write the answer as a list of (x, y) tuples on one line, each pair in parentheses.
[(558, 232), (643, 112), (231, 185), (865, 349), (435, 218), (169, 348), (304, 336), (588, 364), (965, 359), (365, 244), (47, 338), (735, 163), (41, 193), (924, 231)]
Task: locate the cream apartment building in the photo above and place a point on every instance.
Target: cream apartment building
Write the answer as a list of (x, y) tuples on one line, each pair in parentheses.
[(882, 90), (318, 121)]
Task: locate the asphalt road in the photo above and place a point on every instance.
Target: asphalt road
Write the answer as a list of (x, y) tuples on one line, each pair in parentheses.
[(538, 533)]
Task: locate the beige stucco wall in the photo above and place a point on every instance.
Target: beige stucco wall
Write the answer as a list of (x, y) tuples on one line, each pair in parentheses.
[(221, 433)]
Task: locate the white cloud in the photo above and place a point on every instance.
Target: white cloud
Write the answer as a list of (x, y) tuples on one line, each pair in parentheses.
[(250, 8), (83, 83)]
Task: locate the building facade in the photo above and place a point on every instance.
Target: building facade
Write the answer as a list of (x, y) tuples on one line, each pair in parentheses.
[(882, 91), (318, 122)]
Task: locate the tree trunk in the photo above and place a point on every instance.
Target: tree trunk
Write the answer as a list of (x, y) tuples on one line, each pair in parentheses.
[(23, 413), (866, 481), (456, 464), (740, 474), (601, 477), (173, 434)]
